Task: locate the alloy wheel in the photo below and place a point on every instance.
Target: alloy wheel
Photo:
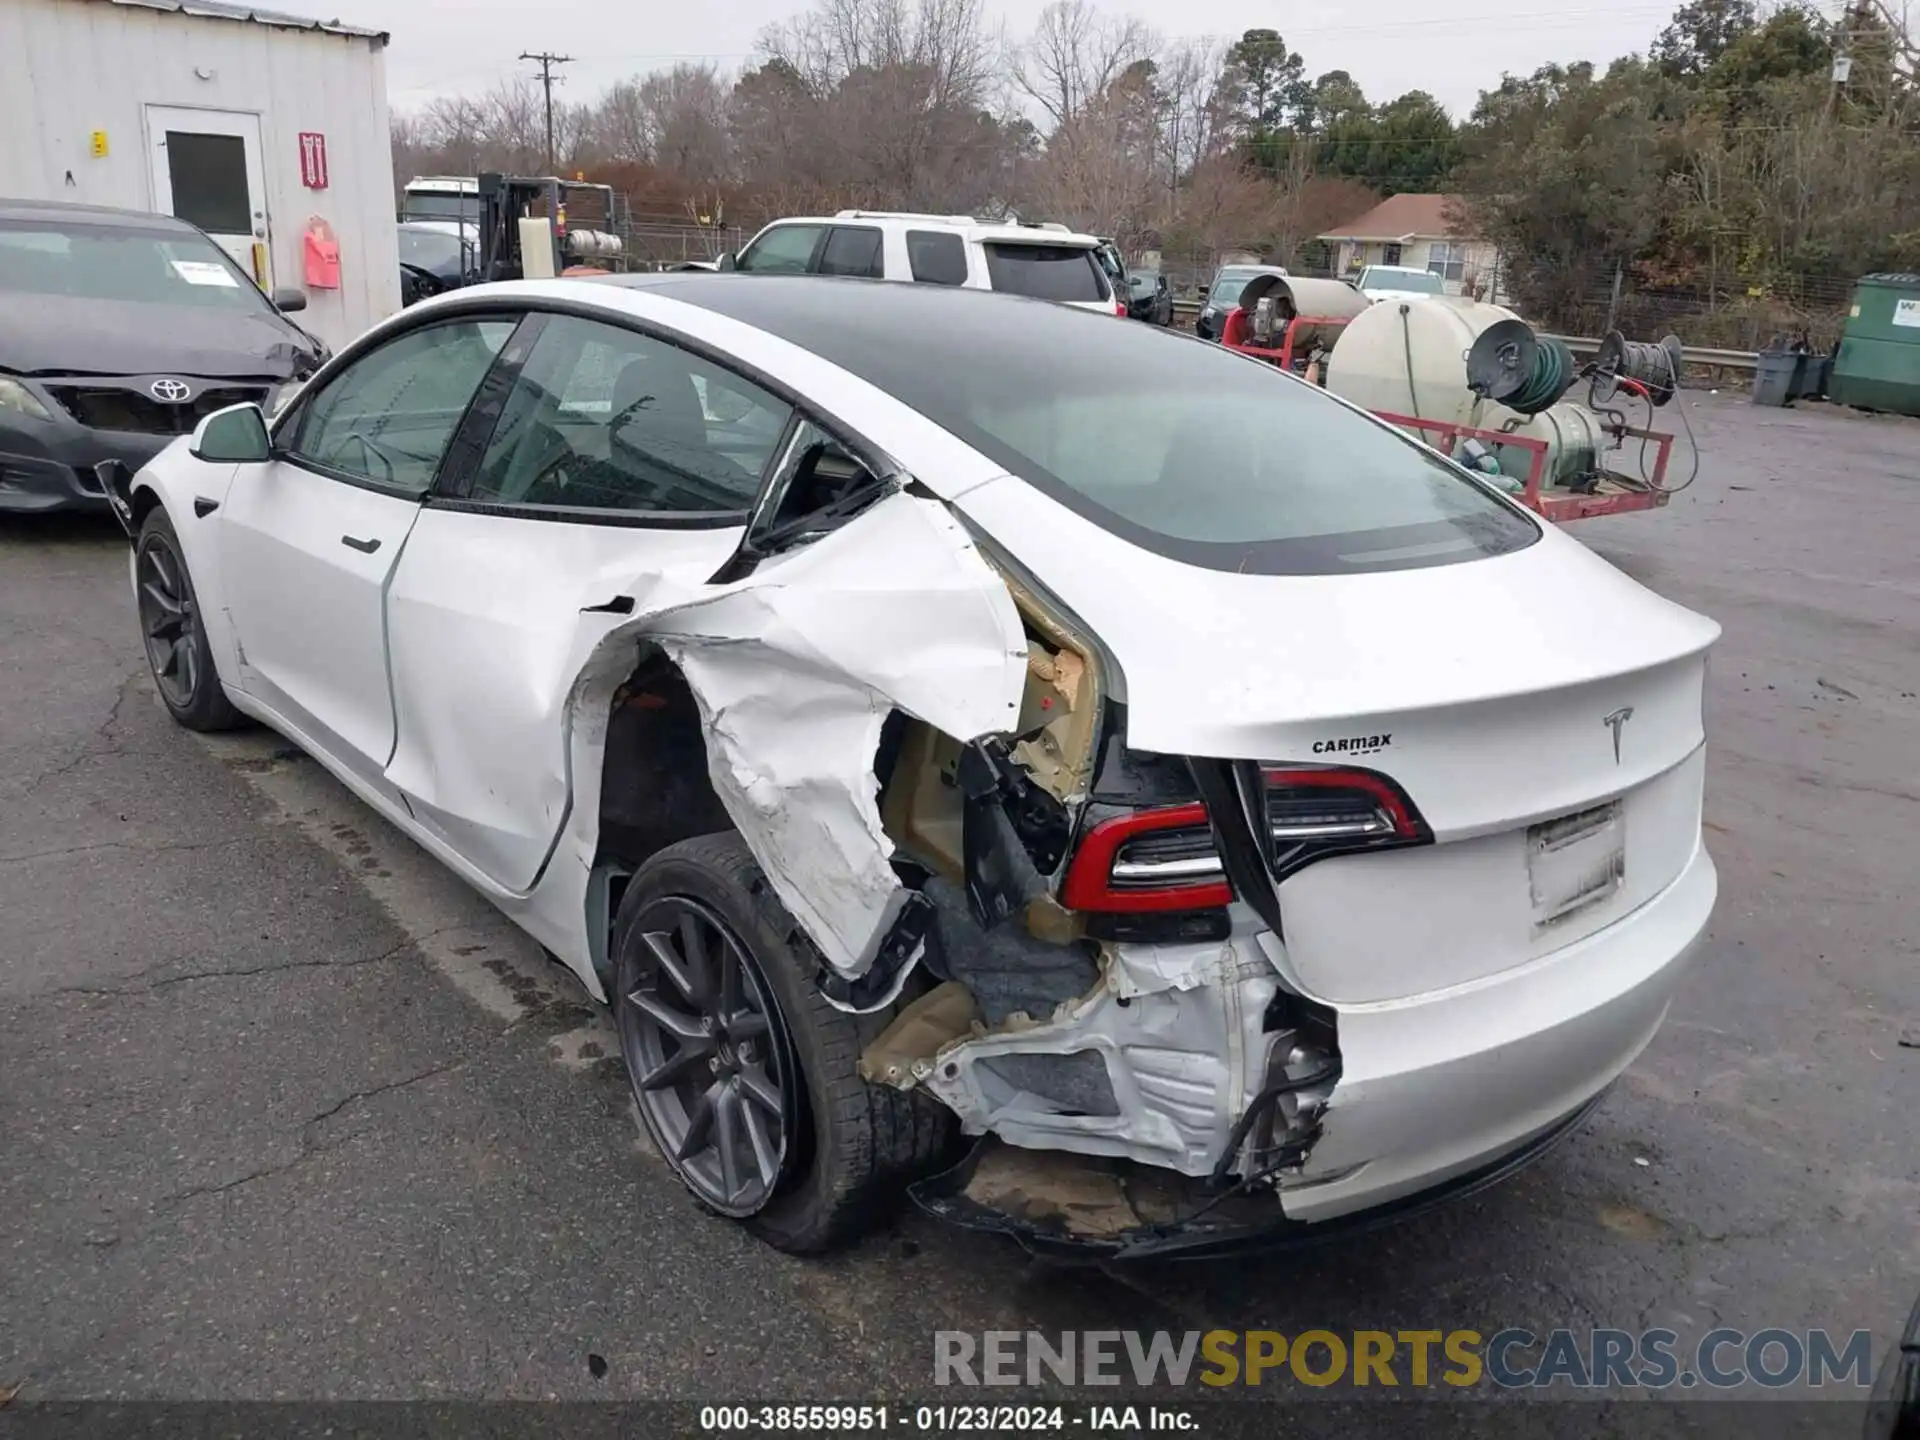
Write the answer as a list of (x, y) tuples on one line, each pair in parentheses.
[(711, 1067), (168, 623)]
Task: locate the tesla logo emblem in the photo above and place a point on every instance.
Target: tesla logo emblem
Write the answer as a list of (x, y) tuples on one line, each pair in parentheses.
[(1616, 722), (171, 391)]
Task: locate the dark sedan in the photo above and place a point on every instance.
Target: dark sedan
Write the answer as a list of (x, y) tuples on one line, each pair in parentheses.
[(118, 332), (1148, 297), (1223, 294), (436, 256)]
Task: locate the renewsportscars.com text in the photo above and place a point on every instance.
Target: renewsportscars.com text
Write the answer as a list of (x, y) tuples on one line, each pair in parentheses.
[(1599, 1359)]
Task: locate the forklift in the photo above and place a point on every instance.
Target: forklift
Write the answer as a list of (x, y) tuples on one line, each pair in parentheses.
[(525, 234)]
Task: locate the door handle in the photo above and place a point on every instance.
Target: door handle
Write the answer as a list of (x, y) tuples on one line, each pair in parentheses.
[(365, 547)]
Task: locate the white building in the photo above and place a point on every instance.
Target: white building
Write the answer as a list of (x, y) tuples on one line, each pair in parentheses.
[(257, 127)]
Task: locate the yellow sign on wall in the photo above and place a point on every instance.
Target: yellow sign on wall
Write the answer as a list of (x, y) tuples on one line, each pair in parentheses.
[(99, 144)]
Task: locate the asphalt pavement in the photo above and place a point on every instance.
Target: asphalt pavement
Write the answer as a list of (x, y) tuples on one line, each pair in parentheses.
[(289, 1113)]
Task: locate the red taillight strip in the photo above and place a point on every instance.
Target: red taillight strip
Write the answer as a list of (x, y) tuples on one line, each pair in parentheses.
[(1388, 798), (1089, 881)]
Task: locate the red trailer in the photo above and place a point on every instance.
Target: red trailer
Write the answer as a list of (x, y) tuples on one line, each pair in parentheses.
[(1610, 495)]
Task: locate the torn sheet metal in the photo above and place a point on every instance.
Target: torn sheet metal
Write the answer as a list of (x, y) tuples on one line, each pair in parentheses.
[(795, 668), (1175, 1065)]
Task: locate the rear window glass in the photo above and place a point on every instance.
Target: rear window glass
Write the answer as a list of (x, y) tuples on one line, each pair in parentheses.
[(1227, 288), (852, 250), (937, 257), (1046, 272), (1173, 444)]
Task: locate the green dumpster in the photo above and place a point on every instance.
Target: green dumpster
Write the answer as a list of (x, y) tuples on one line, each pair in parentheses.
[(1878, 364)]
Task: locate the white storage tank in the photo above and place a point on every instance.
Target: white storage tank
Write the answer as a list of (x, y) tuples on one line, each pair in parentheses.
[(1409, 357)]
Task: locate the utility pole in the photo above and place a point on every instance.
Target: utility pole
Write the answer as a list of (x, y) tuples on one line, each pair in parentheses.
[(546, 61)]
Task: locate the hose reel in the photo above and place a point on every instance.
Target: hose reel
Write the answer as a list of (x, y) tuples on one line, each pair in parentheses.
[(1523, 371), (1653, 370)]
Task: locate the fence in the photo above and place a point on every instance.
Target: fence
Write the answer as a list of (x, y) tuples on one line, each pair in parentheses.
[(1732, 315)]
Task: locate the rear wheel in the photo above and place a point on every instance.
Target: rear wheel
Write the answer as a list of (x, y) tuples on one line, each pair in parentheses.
[(172, 630), (745, 1077)]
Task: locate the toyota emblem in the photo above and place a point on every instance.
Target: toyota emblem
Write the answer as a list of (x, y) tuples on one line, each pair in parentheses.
[(171, 391)]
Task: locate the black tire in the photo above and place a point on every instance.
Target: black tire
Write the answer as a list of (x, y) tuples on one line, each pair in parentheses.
[(171, 631), (851, 1148)]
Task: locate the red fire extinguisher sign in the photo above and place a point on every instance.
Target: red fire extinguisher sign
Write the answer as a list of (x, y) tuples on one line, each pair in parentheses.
[(313, 159)]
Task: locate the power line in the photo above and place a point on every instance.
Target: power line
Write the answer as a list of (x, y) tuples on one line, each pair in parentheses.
[(546, 61)]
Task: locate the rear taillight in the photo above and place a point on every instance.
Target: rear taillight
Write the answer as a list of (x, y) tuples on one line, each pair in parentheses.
[(1120, 309), (1167, 859), (1149, 860)]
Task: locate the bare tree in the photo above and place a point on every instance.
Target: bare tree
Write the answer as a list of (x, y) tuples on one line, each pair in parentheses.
[(1075, 54), (621, 129), (1097, 171), (1195, 119), (683, 114), (886, 98)]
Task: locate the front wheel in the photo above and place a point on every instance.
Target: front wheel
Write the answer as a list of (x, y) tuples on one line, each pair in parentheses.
[(745, 1077), (174, 632)]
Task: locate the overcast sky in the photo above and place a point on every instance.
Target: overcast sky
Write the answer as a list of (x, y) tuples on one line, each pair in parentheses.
[(1390, 46)]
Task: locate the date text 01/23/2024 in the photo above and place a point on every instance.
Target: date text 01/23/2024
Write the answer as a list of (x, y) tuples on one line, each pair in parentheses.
[(941, 1419)]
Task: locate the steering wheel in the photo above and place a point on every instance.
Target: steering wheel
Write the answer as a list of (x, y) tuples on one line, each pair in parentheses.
[(370, 449), (546, 485), (420, 280)]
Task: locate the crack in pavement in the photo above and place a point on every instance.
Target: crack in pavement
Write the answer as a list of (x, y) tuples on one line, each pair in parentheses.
[(129, 683), (309, 1144), (163, 848), (391, 953)]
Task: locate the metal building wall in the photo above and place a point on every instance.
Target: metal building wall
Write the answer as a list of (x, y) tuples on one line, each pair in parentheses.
[(74, 67)]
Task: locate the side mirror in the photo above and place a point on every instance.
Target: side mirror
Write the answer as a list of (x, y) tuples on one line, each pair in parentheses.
[(1203, 292), (727, 261), (236, 435), (287, 300)]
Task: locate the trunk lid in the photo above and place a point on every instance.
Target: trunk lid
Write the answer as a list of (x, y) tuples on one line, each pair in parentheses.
[(1541, 709)]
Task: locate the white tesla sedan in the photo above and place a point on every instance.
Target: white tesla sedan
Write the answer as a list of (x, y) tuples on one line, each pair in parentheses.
[(924, 713)]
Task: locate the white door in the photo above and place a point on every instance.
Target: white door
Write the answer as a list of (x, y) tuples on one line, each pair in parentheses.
[(310, 539), (207, 171), (620, 465)]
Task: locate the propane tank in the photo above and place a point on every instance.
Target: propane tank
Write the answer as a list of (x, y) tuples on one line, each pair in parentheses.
[(1273, 301), (1409, 357), (595, 243)]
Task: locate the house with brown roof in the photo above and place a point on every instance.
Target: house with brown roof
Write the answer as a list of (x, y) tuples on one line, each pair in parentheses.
[(1425, 232)]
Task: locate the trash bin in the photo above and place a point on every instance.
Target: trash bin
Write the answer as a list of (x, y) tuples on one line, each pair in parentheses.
[(1800, 386), (1773, 375)]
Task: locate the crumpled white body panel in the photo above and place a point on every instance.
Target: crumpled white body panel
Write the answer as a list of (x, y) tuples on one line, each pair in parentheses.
[(795, 668), (1179, 1032)]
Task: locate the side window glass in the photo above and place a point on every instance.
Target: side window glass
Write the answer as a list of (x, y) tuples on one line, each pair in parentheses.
[(937, 257), (786, 249), (820, 484), (389, 416), (603, 418), (853, 250)]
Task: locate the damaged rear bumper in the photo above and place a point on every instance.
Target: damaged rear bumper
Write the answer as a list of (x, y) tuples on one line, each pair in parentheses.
[(1437, 1094), (1071, 1208), (1434, 1085)]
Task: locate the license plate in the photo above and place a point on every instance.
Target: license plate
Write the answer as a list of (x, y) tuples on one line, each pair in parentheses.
[(1576, 861)]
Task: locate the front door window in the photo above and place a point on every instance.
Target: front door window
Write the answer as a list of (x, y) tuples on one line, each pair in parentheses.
[(387, 419)]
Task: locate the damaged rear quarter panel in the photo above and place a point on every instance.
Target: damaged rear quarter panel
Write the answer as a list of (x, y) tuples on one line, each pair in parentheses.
[(795, 669)]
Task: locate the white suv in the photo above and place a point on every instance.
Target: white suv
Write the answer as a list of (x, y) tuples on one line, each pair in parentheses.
[(1048, 262)]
